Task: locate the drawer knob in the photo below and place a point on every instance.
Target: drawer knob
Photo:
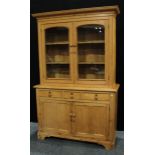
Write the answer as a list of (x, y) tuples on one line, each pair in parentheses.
[(96, 97), (72, 117), (71, 95), (49, 94)]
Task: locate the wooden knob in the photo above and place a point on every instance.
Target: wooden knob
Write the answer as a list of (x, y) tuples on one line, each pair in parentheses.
[(71, 95), (73, 115), (49, 94), (96, 97)]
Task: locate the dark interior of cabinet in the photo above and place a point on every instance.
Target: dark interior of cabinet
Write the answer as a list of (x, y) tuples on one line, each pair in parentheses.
[(57, 34), (91, 71), (57, 53), (90, 33), (57, 71), (91, 53)]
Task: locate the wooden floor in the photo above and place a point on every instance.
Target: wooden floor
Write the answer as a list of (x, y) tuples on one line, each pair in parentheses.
[(56, 146)]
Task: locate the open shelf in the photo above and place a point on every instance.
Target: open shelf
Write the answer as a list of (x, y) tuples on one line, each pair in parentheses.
[(57, 43), (91, 53), (58, 71), (91, 71), (91, 33), (90, 58), (91, 42), (57, 54), (91, 63), (56, 36), (55, 63)]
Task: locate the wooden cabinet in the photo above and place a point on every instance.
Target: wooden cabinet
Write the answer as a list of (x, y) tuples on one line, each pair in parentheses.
[(77, 94)]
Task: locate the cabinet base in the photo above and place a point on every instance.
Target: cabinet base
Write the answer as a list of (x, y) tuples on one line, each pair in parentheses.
[(108, 145), (41, 136)]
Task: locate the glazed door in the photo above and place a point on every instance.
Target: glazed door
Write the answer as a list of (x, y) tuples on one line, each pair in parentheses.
[(91, 120), (55, 117), (91, 39), (55, 61)]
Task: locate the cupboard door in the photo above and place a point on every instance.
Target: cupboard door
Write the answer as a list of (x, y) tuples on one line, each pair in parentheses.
[(91, 120), (57, 56), (91, 39), (55, 118)]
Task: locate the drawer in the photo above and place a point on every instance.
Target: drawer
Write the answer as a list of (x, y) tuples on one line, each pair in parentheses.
[(81, 95), (50, 93), (71, 95), (95, 96), (102, 97)]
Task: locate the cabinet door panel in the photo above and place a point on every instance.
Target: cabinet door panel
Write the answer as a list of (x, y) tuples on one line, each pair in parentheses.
[(57, 52), (55, 117), (55, 55), (91, 40), (91, 121)]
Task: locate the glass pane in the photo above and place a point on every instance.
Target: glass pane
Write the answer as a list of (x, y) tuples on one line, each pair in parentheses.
[(57, 34), (57, 52), (91, 52)]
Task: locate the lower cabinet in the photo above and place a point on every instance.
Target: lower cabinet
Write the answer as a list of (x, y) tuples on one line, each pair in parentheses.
[(77, 119)]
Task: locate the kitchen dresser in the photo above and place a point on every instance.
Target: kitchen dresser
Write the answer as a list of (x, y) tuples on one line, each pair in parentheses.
[(77, 94)]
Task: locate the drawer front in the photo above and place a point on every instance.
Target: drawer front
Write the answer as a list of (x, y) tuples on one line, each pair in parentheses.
[(71, 95), (43, 93), (74, 95), (50, 93), (103, 97), (95, 96), (87, 96)]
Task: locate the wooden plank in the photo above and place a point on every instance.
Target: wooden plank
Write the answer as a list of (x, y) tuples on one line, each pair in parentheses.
[(112, 88), (104, 9)]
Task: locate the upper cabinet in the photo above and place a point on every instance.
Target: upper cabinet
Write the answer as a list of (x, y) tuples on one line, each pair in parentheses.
[(78, 48)]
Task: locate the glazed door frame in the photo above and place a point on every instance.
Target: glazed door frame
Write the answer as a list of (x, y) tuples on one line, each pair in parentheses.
[(42, 53), (104, 23)]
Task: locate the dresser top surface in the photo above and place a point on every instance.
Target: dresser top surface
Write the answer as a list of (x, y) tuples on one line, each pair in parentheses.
[(113, 88)]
